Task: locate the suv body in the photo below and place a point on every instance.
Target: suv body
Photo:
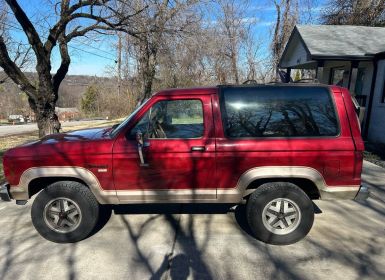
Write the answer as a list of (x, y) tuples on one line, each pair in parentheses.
[(202, 145)]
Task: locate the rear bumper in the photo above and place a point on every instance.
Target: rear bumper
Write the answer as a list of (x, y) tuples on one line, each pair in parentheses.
[(358, 193), (362, 194), (4, 192)]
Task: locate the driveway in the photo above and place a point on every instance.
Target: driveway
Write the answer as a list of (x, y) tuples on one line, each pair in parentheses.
[(179, 242)]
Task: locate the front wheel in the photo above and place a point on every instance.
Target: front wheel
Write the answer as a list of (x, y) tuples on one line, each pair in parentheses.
[(64, 212), (279, 213)]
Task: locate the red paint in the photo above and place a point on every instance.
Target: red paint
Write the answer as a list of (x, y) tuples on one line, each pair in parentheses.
[(172, 164)]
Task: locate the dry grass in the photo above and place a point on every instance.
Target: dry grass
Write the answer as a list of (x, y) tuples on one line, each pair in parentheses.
[(8, 142)]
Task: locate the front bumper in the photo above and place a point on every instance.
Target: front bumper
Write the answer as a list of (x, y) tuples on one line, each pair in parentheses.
[(4, 192), (362, 194)]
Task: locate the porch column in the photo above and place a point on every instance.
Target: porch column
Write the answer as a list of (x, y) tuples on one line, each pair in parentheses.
[(288, 71), (353, 76), (320, 71)]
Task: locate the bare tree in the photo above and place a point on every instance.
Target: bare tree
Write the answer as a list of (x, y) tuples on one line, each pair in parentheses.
[(19, 52), (354, 12), (162, 20), (286, 18), (99, 15)]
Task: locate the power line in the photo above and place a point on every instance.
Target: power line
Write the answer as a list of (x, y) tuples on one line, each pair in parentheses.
[(73, 47), (95, 54)]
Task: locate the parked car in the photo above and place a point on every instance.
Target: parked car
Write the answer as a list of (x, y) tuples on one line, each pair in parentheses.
[(15, 119), (274, 147)]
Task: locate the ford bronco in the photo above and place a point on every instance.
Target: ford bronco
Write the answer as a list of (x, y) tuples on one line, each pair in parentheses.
[(274, 147)]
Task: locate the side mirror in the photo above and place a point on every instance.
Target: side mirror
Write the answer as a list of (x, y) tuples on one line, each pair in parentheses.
[(139, 140)]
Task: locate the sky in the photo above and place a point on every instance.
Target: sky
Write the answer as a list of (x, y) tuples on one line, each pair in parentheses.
[(96, 57)]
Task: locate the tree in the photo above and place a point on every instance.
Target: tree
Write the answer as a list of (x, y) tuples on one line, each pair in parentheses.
[(73, 19), (90, 100), (160, 22), (288, 14), (286, 18), (354, 12)]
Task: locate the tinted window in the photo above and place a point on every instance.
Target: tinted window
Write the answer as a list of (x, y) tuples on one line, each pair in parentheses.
[(172, 119), (278, 112)]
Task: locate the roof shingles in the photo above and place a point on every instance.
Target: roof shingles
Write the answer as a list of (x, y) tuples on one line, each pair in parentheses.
[(342, 40)]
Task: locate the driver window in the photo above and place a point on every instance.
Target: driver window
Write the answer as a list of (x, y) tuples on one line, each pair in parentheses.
[(176, 119)]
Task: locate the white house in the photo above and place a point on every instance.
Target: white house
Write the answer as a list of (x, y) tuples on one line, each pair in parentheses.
[(350, 56)]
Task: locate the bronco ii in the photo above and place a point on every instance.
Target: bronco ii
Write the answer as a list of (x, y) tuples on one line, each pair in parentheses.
[(274, 147)]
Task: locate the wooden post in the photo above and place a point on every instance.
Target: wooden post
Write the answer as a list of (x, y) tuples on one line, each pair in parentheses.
[(320, 71), (119, 62), (353, 76)]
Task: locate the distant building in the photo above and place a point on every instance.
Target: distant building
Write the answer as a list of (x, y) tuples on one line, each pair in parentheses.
[(349, 56), (67, 114)]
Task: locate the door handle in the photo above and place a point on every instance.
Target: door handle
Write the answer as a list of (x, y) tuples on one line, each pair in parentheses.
[(198, 149)]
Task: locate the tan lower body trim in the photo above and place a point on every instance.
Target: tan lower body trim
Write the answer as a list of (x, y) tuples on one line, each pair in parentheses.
[(18, 193), (235, 195), (178, 196), (342, 192)]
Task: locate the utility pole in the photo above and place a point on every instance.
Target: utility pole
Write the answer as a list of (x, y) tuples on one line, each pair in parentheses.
[(119, 62)]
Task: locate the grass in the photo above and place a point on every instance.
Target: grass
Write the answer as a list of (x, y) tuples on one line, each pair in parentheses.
[(7, 142)]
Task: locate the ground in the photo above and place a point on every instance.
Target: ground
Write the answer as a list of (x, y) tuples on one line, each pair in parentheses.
[(347, 241)]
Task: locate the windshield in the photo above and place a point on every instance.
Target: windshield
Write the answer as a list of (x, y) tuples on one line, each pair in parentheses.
[(115, 131)]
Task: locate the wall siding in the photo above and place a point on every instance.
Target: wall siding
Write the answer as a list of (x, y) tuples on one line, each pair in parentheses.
[(377, 120)]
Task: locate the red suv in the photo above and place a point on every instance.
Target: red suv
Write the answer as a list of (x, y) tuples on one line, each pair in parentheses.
[(275, 147)]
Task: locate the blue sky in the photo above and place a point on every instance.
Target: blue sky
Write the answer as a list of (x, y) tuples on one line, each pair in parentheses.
[(94, 58)]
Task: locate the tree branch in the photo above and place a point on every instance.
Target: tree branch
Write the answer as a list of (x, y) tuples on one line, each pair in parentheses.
[(29, 29), (64, 66), (14, 72)]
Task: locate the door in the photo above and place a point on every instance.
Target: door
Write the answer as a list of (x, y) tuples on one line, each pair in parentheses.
[(178, 151)]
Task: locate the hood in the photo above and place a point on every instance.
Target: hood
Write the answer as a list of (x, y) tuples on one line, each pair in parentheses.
[(75, 142), (76, 136)]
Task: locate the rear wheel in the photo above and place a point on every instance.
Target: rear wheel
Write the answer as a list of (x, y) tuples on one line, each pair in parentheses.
[(279, 213), (65, 211)]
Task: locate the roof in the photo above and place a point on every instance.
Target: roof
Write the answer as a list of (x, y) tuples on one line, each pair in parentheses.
[(60, 110), (342, 40), (187, 91)]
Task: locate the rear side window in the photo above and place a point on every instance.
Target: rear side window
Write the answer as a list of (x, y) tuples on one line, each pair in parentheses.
[(278, 112)]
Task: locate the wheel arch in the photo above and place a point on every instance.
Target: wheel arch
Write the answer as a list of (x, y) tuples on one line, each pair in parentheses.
[(304, 184), (306, 178), (31, 179)]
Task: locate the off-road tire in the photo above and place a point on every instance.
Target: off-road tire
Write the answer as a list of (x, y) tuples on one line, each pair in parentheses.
[(80, 198), (265, 198)]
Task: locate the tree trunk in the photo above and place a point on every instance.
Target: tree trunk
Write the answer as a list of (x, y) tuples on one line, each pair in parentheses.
[(47, 121), (148, 63), (46, 118)]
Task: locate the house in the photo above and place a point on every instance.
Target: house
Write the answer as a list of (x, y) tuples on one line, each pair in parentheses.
[(67, 114), (349, 56)]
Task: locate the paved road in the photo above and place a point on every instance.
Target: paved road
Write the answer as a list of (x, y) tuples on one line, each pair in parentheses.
[(6, 130), (347, 242)]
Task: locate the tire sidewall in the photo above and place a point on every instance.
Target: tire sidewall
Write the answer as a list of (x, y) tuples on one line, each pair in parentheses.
[(89, 214), (269, 192)]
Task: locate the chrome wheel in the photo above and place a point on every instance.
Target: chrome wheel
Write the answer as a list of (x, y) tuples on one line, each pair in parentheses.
[(281, 216), (62, 215)]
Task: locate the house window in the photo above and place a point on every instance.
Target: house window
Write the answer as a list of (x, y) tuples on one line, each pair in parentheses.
[(338, 76)]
